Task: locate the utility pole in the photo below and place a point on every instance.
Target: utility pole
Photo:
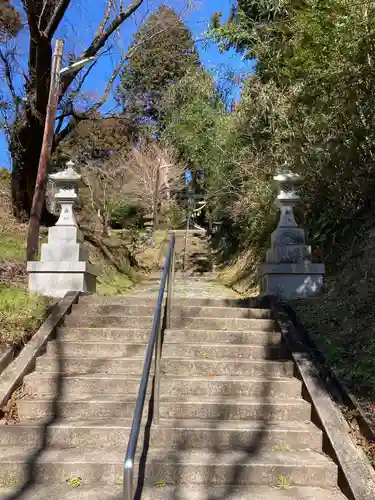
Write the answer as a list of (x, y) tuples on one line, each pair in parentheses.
[(39, 192), (45, 154)]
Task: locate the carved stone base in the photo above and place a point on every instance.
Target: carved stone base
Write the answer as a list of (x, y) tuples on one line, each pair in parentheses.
[(55, 279), (291, 281), (289, 254)]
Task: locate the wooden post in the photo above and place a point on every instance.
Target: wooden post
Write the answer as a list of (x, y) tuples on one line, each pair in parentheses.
[(41, 180)]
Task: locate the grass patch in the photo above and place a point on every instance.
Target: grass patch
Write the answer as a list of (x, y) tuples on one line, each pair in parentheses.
[(74, 482), (344, 330), (342, 322), (279, 447), (284, 483), (21, 313), (111, 282), (9, 482), (13, 248)]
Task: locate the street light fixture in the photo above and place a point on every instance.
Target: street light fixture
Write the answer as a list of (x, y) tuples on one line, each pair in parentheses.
[(76, 66), (53, 99)]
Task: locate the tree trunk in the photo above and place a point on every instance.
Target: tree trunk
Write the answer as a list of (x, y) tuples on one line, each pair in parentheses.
[(27, 132), (25, 147)]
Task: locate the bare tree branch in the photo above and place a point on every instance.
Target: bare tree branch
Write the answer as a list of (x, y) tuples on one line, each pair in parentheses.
[(62, 134), (56, 18), (9, 80), (106, 16), (101, 40), (30, 7), (83, 79), (142, 167), (108, 88), (43, 15)]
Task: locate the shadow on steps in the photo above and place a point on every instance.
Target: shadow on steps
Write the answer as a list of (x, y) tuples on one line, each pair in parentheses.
[(30, 467), (247, 450)]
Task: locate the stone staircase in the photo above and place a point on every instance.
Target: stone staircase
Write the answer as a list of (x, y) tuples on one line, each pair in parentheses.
[(234, 424)]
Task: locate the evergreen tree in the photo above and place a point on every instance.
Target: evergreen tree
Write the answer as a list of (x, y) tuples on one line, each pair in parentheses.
[(161, 53), (10, 22)]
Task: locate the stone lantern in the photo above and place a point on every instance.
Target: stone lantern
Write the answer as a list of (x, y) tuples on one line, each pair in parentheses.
[(63, 265), (288, 271)]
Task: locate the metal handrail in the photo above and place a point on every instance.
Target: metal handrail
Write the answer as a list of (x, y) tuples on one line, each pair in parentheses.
[(154, 344)]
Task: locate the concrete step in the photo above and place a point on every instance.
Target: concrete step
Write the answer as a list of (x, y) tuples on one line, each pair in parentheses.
[(176, 310), (45, 383), (222, 351), (96, 349), (226, 408), (185, 335), (190, 492), (96, 301), (82, 406), (77, 406), (210, 367), (176, 322), (75, 365), (283, 436), (306, 468), (100, 433), (200, 350), (256, 492)]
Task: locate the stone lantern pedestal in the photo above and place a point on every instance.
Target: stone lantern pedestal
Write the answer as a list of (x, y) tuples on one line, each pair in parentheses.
[(288, 271), (63, 265)]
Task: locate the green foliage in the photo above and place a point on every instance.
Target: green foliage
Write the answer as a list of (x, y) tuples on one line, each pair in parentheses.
[(161, 52), (309, 107), (342, 322), (95, 139), (125, 215), (112, 282), (21, 313), (174, 215), (74, 482), (10, 22), (195, 123), (284, 483)]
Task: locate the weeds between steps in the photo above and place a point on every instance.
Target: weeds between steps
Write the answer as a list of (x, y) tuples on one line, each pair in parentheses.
[(10, 482), (284, 483), (9, 413), (280, 448), (360, 417), (74, 482), (359, 439)]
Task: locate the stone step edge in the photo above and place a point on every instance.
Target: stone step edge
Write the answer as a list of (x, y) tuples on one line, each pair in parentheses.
[(304, 457), (171, 358), (290, 426), (182, 378), (185, 492), (165, 343), (234, 401)]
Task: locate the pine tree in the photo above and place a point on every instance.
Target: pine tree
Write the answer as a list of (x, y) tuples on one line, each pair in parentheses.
[(161, 53), (10, 22)]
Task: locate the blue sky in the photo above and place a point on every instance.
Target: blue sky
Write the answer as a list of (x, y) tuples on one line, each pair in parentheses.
[(84, 16)]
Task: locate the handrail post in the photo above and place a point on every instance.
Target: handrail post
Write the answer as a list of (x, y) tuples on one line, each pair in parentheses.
[(128, 481)]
